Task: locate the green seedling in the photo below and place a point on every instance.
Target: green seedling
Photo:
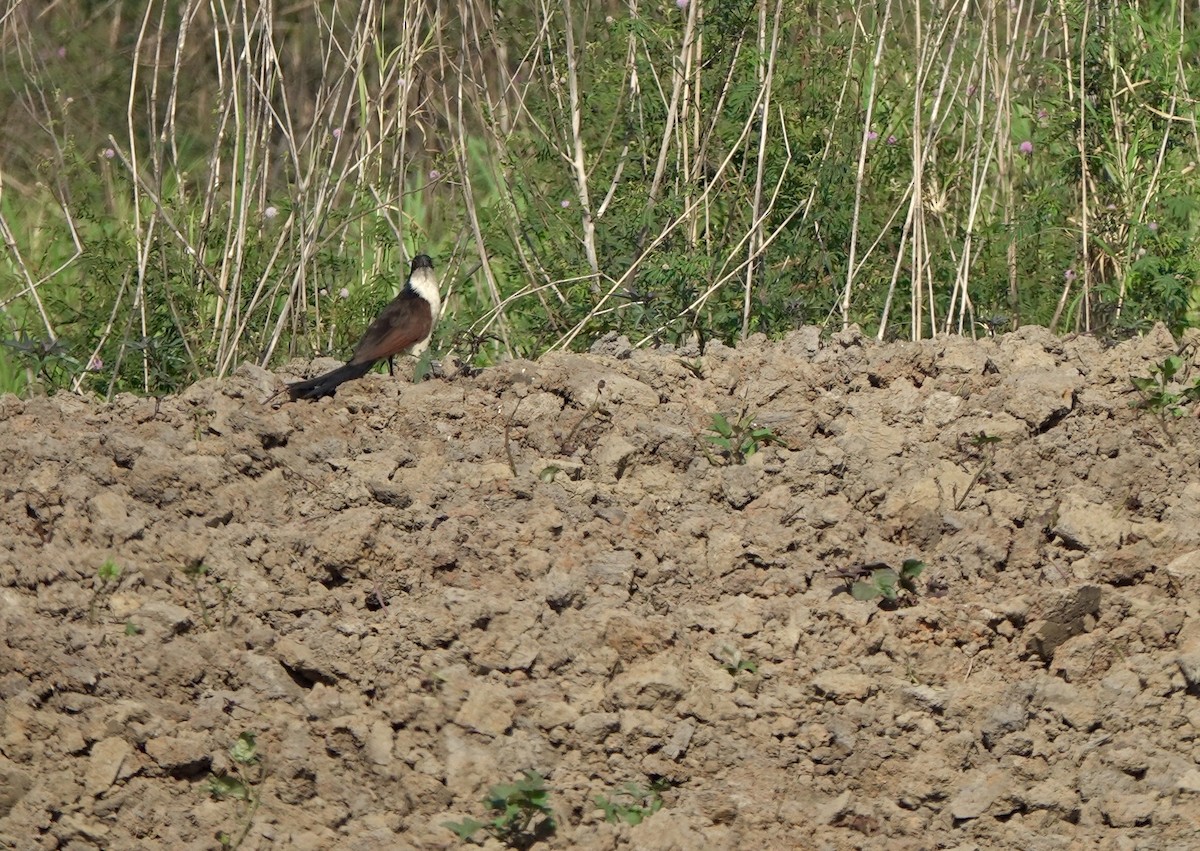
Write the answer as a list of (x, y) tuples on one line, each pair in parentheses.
[(1158, 395), (520, 813), (632, 804), (731, 660), (240, 786), (110, 571), (885, 582), (741, 438), (107, 577)]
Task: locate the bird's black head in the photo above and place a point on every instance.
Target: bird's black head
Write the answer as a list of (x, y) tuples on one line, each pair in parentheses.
[(422, 261)]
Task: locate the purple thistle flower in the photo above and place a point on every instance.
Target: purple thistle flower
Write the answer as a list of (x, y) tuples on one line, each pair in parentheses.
[(891, 140), (1026, 147), (872, 136)]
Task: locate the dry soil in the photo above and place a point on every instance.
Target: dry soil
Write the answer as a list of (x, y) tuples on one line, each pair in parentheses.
[(410, 593)]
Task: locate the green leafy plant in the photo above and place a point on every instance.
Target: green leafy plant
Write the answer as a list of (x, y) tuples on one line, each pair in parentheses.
[(520, 813), (632, 804), (1160, 393), (240, 786), (885, 582), (741, 438)]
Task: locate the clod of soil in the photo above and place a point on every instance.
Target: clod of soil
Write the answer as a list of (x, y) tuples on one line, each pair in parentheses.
[(412, 593)]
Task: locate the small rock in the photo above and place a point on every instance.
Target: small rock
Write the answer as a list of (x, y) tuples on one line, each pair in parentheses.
[(977, 796), (1188, 655), (844, 684), (596, 726), (1125, 810), (184, 754), (831, 811), (378, 747), (104, 764), (1189, 781), (1086, 526), (488, 709), (175, 619), (680, 739), (655, 683), (1005, 719), (1071, 705), (924, 697), (613, 454), (14, 783), (1065, 614)]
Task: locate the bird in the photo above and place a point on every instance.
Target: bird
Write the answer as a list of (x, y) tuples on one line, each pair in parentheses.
[(406, 324)]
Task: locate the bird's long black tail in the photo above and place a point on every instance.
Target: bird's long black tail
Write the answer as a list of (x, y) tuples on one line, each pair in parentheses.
[(327, 384)]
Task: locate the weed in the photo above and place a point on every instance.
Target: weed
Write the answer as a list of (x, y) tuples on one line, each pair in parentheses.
[(732, 661), (740, 439), (879, 580), (985, 445), (195, 572), (632, 804), (596, 410), (107, 577), (1162, 396), (520, 813), (240, 786)]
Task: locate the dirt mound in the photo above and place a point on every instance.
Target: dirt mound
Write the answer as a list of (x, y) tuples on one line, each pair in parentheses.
[(411, 593)]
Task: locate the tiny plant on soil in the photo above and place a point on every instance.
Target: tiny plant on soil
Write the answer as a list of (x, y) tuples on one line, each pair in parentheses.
[(732, 661), (984, 445), (240, 786), (739, 439), (631, 803), (107, 577), (883, 582), (1162, 396), (196, 572), (520, 813)]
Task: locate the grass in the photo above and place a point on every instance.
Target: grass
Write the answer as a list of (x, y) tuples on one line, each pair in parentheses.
[(190, 186)]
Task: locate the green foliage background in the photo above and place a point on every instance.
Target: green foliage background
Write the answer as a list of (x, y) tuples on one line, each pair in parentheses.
[(186, 186)]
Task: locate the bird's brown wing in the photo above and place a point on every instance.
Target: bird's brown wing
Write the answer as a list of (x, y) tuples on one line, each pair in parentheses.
[(402, 324)]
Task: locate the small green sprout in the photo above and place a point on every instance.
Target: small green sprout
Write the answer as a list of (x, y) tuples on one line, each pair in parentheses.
[(740, 439), (885, 582), (520, 811), (632, 804)]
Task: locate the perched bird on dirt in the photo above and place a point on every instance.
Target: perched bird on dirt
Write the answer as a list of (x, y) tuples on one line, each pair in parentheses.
[(405, 325)]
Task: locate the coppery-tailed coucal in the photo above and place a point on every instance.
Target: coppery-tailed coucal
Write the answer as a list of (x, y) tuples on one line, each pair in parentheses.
[(405, 325)]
